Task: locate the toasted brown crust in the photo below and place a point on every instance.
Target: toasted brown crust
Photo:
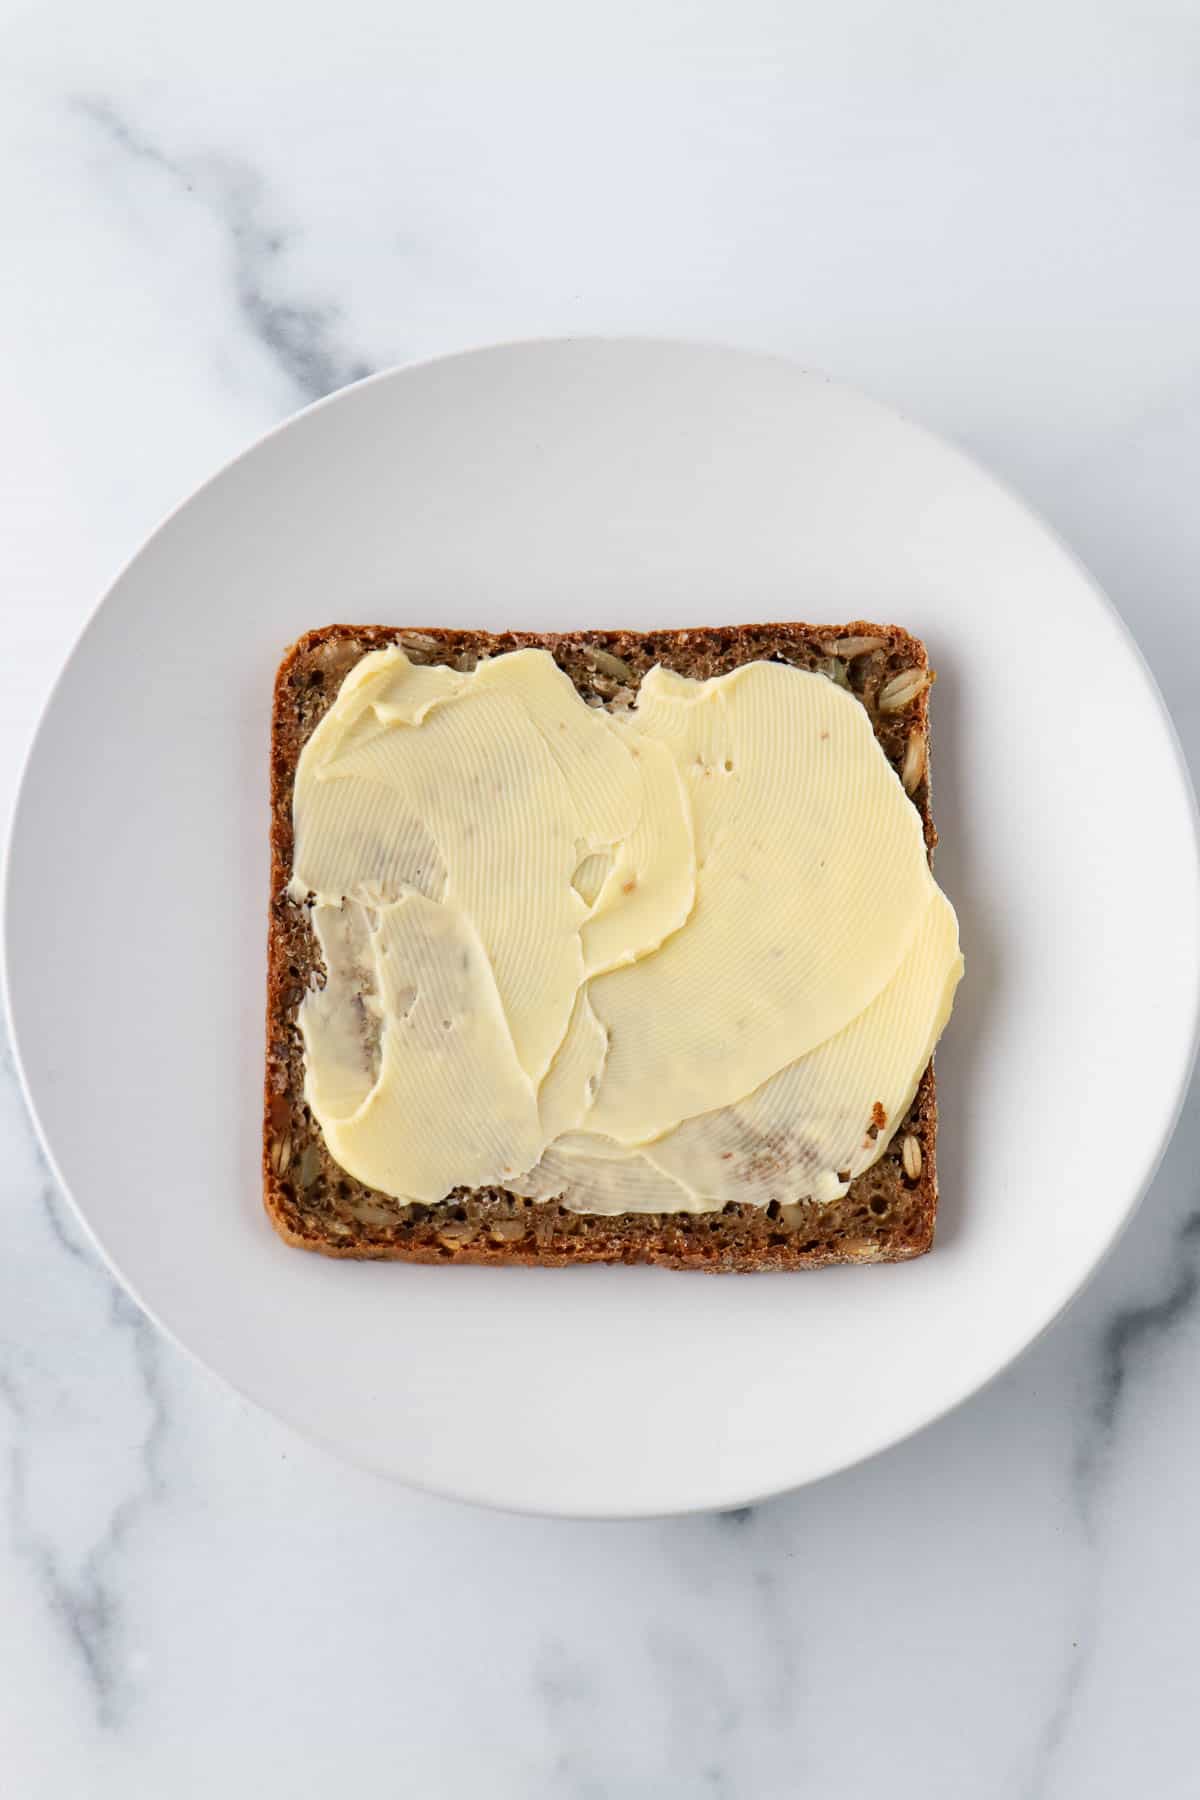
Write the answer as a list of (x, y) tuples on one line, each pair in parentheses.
[(316, 1205)]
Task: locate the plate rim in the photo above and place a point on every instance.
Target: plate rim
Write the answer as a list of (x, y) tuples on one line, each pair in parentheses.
[(950, 1398)]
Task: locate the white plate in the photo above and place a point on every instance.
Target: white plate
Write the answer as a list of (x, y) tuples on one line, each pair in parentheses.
[(577, 484)]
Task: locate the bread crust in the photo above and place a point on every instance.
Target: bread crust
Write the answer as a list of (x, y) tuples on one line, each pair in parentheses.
[(315, 1205)]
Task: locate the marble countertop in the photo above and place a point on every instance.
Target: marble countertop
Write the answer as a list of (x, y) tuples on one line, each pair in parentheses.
[(216, 214)]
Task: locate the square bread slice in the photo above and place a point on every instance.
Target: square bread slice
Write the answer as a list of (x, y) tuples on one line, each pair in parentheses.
[(887, 1215)]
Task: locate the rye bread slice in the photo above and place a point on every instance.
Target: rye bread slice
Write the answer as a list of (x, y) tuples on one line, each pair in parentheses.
[(887, 1215)]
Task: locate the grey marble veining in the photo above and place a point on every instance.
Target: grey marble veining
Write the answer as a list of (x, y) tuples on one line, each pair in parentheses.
[(302, 336), (75, 1551), (216, 215), (1134, 1327), (1128, 1335)]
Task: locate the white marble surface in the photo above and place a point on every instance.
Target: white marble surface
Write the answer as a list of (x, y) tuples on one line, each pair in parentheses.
[(214, 214)]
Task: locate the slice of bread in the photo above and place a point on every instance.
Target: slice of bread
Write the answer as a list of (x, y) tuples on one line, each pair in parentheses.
[(888, 1213)]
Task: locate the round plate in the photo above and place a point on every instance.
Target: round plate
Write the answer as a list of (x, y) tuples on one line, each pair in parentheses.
[(582, 484)]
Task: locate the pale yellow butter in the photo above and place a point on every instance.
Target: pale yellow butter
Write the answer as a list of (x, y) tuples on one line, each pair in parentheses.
[(642, 962)]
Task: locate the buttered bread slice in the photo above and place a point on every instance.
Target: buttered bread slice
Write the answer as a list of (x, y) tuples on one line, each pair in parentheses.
[(605, 947)]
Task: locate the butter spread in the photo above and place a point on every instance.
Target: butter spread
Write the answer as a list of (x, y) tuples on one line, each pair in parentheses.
[(647, 961)]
